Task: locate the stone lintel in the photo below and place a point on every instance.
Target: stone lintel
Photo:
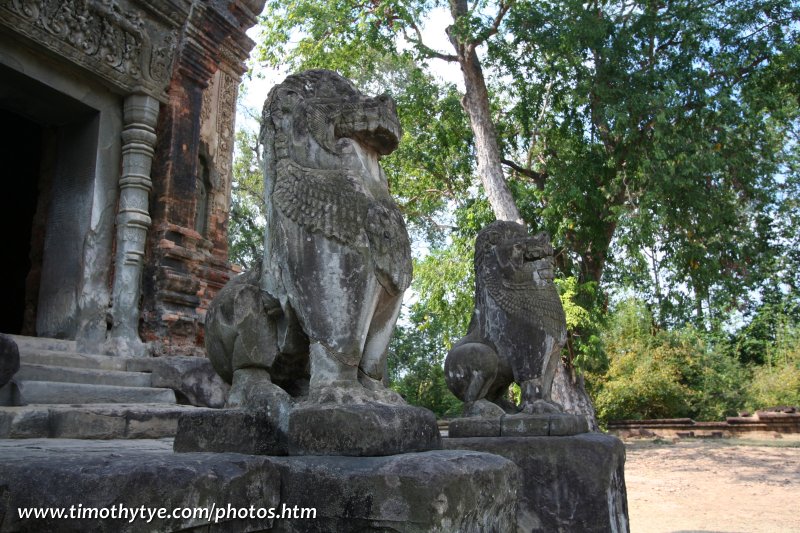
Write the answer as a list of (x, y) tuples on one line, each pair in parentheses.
[(129, 48)]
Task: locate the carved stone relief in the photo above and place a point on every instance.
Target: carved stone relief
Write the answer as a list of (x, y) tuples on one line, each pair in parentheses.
[(226, 115), (108, 37)]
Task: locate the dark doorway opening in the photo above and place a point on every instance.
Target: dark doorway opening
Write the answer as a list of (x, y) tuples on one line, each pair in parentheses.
[(49, 148), (21, 154)]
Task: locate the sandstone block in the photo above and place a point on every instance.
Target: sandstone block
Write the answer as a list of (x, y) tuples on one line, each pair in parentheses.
[(361, 430), (193, 378), (474, 427), (574, 483), (229, 430), (437, 491)]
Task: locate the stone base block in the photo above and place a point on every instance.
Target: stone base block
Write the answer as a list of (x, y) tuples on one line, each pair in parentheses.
[(520, 425), (363, 430), (474, 427), (574, 483), (92, 421), (229, 430), (437, 491)]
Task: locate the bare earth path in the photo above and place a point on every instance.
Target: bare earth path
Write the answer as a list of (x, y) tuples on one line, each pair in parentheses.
[(715, 485)]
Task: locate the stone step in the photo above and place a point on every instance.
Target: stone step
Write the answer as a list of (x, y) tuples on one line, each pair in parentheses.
[(43, 356), (44, 343), (53, 392), (28, 372), (95, 421)]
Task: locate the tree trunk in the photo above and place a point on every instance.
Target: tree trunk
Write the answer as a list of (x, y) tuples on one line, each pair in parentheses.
[(476, 105), (568, 389)]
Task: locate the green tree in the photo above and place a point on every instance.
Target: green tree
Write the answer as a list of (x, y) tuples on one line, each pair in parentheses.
[(416, 355), (665, 374), (655, 137), (770, 343), (246, 219)]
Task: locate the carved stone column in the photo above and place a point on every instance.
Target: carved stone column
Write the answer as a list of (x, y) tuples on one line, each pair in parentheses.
[(133, 221)]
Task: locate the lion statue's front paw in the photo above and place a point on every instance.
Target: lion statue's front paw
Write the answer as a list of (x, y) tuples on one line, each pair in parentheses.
[(541, 407)]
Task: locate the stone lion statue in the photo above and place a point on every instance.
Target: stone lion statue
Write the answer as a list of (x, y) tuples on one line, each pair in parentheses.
[(517, 329), (314, 322)]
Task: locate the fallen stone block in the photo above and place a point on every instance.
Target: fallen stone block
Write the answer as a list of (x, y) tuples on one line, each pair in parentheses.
[(194, 378)]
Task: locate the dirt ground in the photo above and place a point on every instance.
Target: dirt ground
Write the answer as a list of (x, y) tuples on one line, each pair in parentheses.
[(720, 485)]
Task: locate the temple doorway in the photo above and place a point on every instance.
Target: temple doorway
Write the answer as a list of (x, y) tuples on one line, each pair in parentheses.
[(48, 149), (21, 153)]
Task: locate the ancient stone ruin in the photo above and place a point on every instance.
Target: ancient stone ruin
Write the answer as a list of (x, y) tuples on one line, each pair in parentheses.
[(516, 334), (119, 120), (117, 142), (118, 136)]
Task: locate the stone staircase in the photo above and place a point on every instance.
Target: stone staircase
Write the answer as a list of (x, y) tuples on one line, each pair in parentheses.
[(61, 393)]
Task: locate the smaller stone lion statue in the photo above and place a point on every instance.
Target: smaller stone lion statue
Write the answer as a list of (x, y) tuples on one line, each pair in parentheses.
[(518, 327)]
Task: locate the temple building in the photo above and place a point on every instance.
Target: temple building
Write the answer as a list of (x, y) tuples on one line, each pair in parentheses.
[(118, 129)]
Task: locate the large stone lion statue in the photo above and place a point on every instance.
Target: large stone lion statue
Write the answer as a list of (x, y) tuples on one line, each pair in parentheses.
[(314, 322), (517, 329)]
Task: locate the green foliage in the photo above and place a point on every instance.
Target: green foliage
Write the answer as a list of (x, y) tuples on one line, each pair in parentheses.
[(444, 281), (665, 374), (585, 321), (755, 342), (431, 170), (657, 136), (778, 381), (775, 386), (246, 220), (416, 372), (645, 375)]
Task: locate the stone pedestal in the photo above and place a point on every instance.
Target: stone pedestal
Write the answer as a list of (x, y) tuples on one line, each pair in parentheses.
[(439, 491), (361, 430), (519, 425), (574, 483)]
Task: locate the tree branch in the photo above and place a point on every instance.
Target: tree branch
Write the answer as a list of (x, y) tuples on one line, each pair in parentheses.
[(538, 177), (495, 27), (425, 49)]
